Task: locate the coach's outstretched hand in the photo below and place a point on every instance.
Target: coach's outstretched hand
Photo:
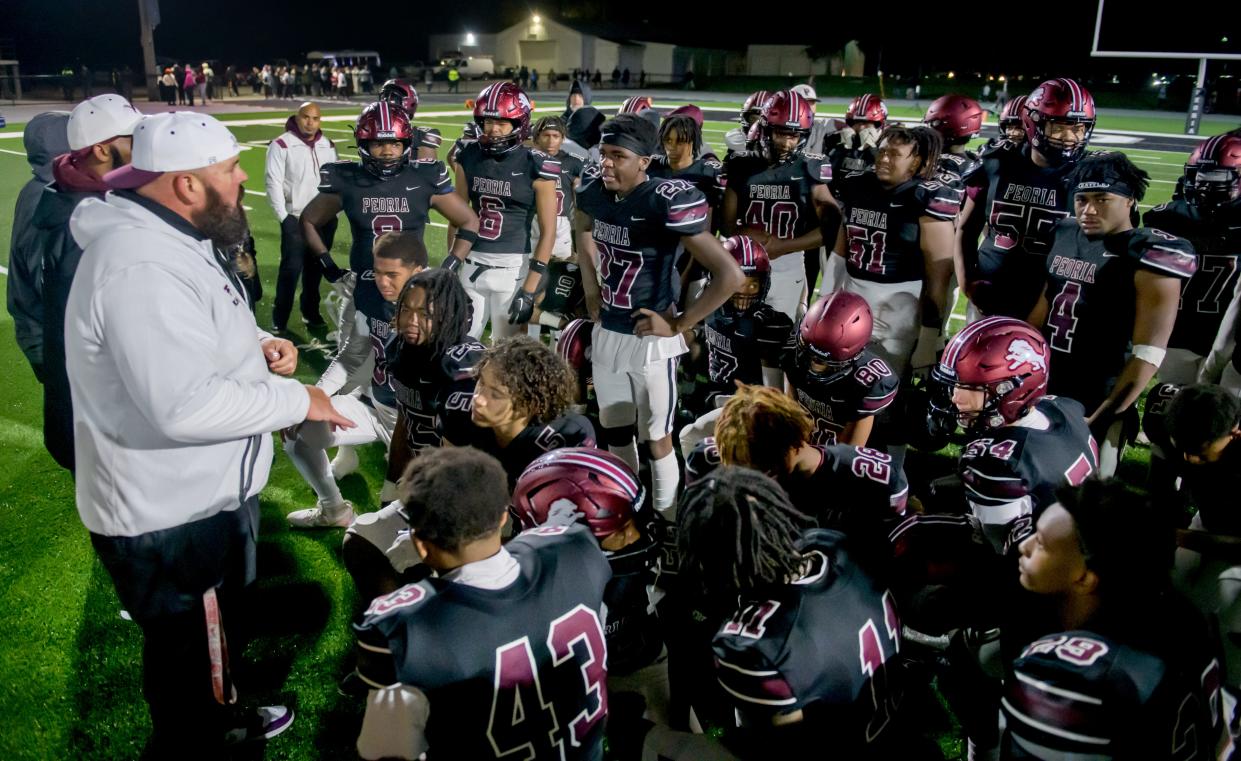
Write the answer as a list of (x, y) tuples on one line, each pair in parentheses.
[(321, 410), (281, 356)]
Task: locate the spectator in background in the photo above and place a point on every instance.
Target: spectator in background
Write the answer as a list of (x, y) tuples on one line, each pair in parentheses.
[(454, 80), (204, 83), (616, 76), (364, 76), (66, 82), (168, 88), (642, 78), (534, 79), (325, 81), (88, 81), (292, 179), (45, 137), (178, 76), (230, 82), (428, 78), (598, 79), (309, 77), (523, 77), (625, 77), (551, 79), (188, 84), (355, 74)]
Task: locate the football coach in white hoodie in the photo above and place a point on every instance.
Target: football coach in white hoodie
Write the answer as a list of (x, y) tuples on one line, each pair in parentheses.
[(175, 393)]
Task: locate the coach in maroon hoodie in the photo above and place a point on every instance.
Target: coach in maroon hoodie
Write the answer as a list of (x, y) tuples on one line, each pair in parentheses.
[(100, 139)]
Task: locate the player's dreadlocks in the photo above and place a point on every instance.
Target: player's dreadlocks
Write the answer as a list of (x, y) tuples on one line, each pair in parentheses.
[(447, 304), (759, 426), (927, 145), (684, 129), (738, 532), (542, 385)]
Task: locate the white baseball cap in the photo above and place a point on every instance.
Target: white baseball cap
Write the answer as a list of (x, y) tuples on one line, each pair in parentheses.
[(807, 92), (174, 142), (101, 118)]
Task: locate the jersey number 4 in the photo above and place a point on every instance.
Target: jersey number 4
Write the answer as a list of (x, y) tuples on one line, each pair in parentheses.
[(1063, 316), (526, 722)]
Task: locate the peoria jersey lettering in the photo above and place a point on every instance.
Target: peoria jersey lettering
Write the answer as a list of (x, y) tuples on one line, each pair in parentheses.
[(1092, 300), (883, 233), (374, 206), (638, 238), (378, 313), (1021, 204), (501, 190)]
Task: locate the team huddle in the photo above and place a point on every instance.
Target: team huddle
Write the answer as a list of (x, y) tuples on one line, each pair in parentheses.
[(648, 428)]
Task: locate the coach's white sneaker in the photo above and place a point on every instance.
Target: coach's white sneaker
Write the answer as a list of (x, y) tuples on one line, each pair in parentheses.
[(323, 516), (344, 463)]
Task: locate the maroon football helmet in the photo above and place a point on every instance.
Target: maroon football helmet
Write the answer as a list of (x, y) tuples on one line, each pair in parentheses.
[(1213, 172), (503, 100), (1063, 101), (636, 104), (753, 107), (751, 257), (1005, 358), (1011, 115), (786, 110), (867, 108), (956, 117), (594, 482), (574, 344), (381, 121), (835, 330), (399, 93)]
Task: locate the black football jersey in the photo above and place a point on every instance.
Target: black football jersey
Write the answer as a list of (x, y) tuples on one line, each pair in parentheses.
[(570, 170), (632, 631), (843, 162), (378, 314), (740, 345), (882, 232), (824, 644), (1013, 471), (521, 669), (954, 169), (1204, 298), (779, 198), (1080, 694), (847, 478), (563, 294), (375, 206), (1092, 300), (435, 393), (501, 190), (1020, 204), (638, 238), (705, 173), (868, 388), (569, 430)]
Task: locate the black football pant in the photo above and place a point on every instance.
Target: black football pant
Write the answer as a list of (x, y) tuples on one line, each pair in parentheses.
[(160, 578), (295, 262)]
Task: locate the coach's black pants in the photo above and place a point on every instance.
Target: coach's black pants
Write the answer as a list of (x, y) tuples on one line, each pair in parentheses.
[(294, 262), (160, 578)]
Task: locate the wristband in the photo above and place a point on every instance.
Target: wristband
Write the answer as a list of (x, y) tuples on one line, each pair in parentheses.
[(1150, 354)]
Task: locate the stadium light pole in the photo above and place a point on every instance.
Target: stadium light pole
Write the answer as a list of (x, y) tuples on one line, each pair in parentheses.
[(148, 18)]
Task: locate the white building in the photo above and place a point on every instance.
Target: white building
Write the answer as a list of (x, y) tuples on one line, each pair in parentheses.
[(794, 60)]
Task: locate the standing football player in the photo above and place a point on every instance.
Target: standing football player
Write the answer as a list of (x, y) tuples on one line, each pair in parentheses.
[(736, 140), (399, 93), (958, 120), (511, 187), (1016, 198), (992, 379), (897, 238), (833, 373), (562, 299), (528, 667), (397, 258), (776, 195), (1111, 299), (1209, 217), (1010, 126), (633, 226)]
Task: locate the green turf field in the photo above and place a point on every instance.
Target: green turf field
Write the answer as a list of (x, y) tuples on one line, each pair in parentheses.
[(70, 666)]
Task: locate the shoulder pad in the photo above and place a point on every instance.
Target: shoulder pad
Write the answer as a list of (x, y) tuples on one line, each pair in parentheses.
[(1163, 252), (990, 467), (407, 597), (459, 361), (704, 458)]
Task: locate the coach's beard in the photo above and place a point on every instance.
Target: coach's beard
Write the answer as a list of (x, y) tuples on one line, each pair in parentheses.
[(225, 224)]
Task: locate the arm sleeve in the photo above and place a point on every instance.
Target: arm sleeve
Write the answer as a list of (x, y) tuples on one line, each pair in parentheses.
[(543, 166), (163, 340), (1163, 254), (395, 723), (941, 201), (443, 179), (687, 208), (274, 178)]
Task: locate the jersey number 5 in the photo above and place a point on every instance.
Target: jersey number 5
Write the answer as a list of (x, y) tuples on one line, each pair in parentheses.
[(528, 723)]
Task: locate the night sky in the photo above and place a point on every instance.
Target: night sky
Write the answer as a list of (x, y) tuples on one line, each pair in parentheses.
[(993, 36)]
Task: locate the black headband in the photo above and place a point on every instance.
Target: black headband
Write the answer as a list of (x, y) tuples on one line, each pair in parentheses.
[(628, 141)]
